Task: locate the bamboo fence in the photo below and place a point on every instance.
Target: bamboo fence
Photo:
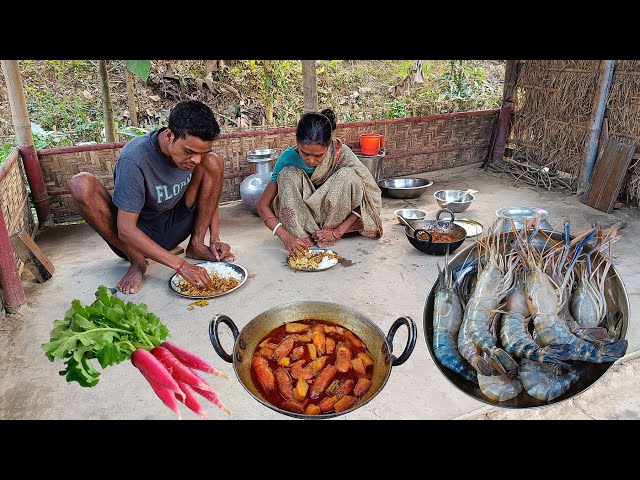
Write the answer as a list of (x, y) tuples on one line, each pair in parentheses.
[(14, 199), (412, 145), (550, 123)]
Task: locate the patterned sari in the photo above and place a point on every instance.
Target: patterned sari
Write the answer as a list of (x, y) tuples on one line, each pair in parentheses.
[(337, 186)]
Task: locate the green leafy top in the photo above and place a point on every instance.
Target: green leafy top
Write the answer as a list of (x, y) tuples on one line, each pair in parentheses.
[(108, 330)]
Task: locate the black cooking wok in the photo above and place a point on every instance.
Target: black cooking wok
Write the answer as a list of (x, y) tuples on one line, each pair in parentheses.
[(379, 346), (419, 234)]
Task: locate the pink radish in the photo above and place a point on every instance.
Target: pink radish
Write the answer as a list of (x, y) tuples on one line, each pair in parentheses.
[(152, 369), (212, 396), (192, 360), (167, 396), (191, 400), (177, 369)]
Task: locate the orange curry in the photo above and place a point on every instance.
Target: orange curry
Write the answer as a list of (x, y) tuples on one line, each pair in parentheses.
[(312, 367)]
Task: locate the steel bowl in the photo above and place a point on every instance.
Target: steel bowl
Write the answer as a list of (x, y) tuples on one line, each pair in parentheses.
[(458, 200), (404, 187), (410, 214), (520, 215), (617, 304)]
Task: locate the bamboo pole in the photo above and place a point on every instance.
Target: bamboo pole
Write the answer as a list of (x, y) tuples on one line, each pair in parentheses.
[(309, 86), (107, 107), (607, 68), (24, 137), (269, 93)]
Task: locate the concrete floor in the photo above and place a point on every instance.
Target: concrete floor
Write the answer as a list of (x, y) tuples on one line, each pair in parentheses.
[(383, 279)]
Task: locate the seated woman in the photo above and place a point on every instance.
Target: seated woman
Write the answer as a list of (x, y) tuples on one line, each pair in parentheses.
[(320, 190)]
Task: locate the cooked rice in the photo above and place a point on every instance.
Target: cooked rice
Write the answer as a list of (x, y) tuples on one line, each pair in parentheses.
[(224, 278), (313, 260)]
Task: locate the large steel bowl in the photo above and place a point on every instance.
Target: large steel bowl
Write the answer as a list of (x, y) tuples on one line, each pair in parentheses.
[(379, 345), (617, 302), (404, 187), (455, 200)]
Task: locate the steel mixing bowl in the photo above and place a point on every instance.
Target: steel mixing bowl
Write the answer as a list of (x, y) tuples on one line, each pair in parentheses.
[(404, 187), (410, 214), (458, 200)]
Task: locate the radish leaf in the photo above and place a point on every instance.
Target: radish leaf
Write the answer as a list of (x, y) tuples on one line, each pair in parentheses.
[(108, 330)]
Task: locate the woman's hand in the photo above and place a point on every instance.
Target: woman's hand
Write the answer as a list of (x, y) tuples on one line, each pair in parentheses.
[(295, 245), (195, 275), (327, 236)]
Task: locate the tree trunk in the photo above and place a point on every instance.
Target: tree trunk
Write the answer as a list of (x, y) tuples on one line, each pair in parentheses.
[(130, 80), (309, 86), (268, 97), (506, 110), (107, 108)]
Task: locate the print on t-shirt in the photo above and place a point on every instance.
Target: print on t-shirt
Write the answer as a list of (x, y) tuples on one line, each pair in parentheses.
[(165, 192)]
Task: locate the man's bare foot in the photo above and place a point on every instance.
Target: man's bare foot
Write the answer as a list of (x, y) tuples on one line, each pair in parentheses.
[(131, 281)]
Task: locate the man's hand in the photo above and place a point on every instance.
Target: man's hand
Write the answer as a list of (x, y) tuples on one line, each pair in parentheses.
[(195, 275), (222, 251)]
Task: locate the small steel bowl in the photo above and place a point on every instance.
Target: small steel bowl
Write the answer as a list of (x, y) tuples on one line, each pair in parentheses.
[(404, 187), (410, 214), (458, 200)]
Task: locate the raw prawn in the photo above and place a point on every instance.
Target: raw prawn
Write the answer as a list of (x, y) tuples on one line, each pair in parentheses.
[(493, 283), (542, 298), (544, 381), (514, 331), (447, 319), (499, 387)]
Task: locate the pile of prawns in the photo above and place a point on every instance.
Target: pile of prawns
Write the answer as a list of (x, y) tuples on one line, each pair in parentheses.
[(526, 316)]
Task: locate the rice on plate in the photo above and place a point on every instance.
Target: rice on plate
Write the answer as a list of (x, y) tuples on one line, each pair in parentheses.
[(225, 277)]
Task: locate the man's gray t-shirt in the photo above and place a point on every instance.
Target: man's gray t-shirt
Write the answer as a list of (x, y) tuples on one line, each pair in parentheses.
[(145, 181)]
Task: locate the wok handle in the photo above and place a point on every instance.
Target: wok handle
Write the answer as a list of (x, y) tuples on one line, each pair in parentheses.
[(445, 210), (215, 340), (420, 230), (411, 341)]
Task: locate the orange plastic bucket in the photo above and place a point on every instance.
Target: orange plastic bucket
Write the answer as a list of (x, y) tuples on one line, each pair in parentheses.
[(371, 143)]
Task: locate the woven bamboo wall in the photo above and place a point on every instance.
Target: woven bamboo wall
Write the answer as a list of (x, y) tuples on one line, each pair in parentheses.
[(435, 142), (412, 145), (14, 199), (551, 116), (60, 164), (623, 116)]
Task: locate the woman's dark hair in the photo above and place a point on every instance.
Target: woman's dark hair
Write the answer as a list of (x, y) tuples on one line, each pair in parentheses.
[(194, 118), (316, 127)]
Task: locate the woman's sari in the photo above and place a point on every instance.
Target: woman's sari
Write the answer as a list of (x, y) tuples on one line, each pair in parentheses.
[(340, 184)]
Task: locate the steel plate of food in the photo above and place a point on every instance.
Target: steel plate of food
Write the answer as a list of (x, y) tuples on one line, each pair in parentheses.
[(314, 260), (226, 277)]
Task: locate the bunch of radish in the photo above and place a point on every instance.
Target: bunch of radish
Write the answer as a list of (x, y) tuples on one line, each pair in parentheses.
[(171, 372)]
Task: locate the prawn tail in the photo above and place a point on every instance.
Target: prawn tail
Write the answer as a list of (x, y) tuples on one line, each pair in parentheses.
[(594, 334), (506, 361), (482, 366), (612, 352), (556, 353)]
